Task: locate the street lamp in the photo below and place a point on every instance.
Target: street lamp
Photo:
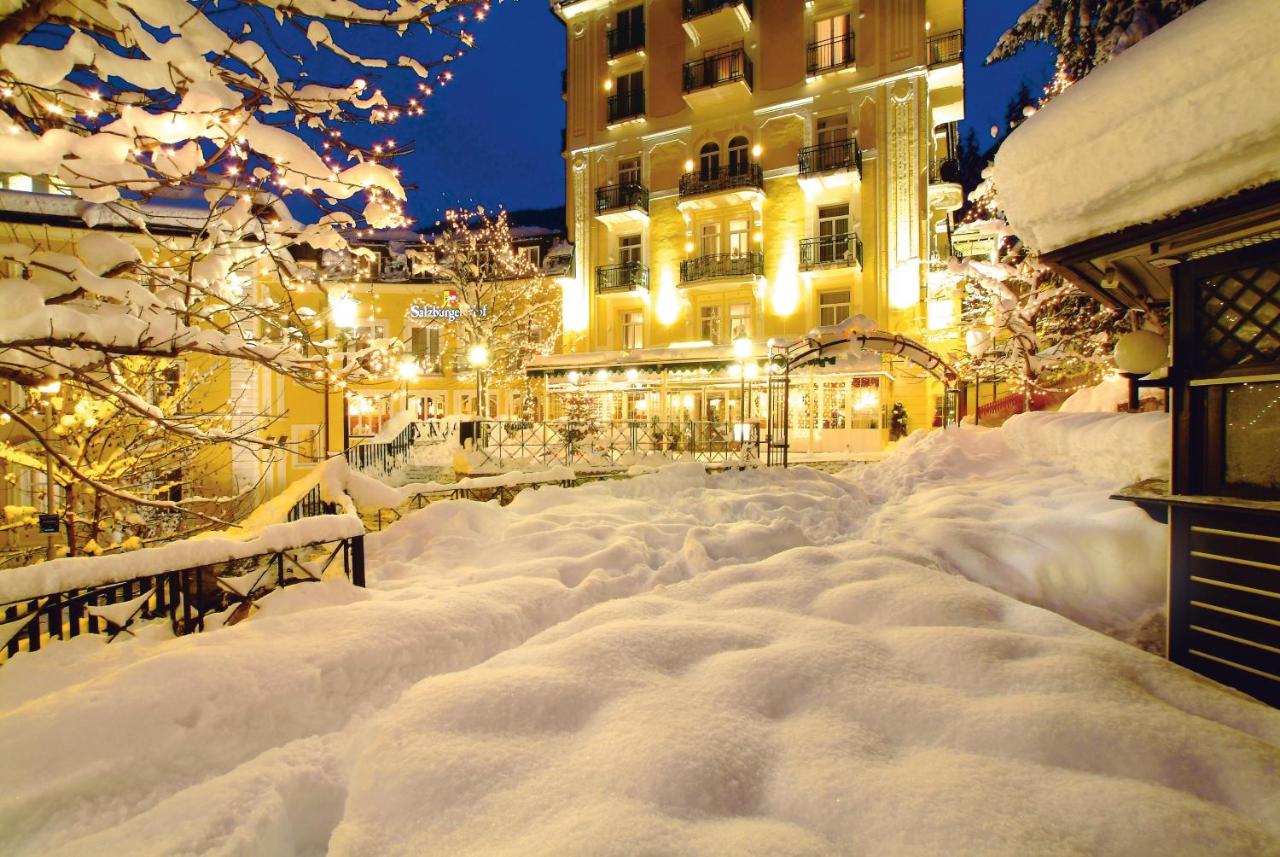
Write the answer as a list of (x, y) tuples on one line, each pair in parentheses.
[(409, 371), (1139, 353), (478, 356), (50, 387), (742, 349)]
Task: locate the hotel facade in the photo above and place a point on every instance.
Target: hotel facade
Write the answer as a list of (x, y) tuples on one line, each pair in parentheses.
[(742, 172)]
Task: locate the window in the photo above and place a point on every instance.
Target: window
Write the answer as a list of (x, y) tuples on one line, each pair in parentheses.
[(833, 232), (532, 254), (629, 171), (365, 333), (740, 321), (424, 344), (738, 160), (709, 162), (172, 486), (833, 129), (167, 383), (833, 307), (632, 330), (710, 239), (739, 237), (630, 250), (833, 44), (709, 324), (628, 99), (628, 31)]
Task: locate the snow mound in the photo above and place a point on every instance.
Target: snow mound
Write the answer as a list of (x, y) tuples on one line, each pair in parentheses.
[(759, 662)]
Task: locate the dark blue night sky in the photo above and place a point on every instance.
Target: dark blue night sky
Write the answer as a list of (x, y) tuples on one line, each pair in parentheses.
[(492, 136)]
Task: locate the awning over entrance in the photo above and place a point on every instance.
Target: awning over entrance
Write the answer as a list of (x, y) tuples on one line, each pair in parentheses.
[(689, 357)]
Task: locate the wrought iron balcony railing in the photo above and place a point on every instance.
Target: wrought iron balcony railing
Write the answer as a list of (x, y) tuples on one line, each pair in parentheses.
[(624, 41), (829, 54), (627, 277), (626, 105), (944, 47), (831, 251), (719, 68), (718, 181), (830, 157), (698, 8), (622, 196), (722, 265)]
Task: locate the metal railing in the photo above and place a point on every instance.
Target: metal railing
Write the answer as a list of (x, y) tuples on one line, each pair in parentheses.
[(603, 445), (831, 251), (695, 183), (625, 41), (698, 8), (627, 277), (830, 157), (829, 54), (722, 265), (944, 47), (718, 69), (383, 458), (626, 105), (619, 196)]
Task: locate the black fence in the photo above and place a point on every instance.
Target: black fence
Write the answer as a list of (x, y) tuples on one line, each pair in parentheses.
[(620, 196), (831, 251), (625, 40), (830, 157), (718, 69), (383, 458), (626, 105), (945, 47), (626, 277), (829, 54), (717, 181), (722, 265)]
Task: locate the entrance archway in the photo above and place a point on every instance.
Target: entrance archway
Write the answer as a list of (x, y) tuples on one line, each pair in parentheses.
[(815, 350)]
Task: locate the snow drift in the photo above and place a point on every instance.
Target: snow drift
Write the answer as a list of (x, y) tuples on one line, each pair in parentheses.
[(747, 663)]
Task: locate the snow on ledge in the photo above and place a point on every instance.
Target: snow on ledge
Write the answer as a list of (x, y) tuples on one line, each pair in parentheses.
[(1188, 115)]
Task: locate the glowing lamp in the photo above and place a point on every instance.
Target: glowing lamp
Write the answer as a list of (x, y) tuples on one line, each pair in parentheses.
[(742, 348), (1141, 352), (574, 377), (344, 310), (478, 356)]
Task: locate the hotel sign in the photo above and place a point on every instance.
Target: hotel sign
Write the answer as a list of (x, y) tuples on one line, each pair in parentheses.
[(450, 310)]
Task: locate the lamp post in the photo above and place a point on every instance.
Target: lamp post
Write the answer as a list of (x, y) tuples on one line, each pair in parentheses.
[(408, 370), (742, 349), (49, 388), (1139, 353), (478, 356)]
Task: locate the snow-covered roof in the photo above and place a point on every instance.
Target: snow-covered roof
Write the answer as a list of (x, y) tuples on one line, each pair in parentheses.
[(1188, 115)]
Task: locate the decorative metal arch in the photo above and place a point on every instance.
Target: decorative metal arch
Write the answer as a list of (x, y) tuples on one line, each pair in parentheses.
[(809, 351)]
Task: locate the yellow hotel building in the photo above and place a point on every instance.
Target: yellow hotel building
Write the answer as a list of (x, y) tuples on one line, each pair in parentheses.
[(741, 171)]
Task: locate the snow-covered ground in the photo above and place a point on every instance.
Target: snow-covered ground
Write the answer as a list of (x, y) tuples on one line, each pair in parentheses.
[(681, 664)]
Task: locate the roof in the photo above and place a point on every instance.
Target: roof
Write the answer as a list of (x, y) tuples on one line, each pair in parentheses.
[(1189, 115)]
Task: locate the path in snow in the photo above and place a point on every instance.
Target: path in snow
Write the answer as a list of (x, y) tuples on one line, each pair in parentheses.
[(763, 663)]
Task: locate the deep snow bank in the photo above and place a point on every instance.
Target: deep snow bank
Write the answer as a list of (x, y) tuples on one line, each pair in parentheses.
[(748, 663)]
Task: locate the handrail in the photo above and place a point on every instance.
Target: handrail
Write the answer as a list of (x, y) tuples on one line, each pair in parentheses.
[(625, 105), (833, 251), (945, 47), (698, 8), (716, 69), (613, 197), (627, 277), (829, 54), (693, 184), (722, 265), (383, 457), (829, 157)]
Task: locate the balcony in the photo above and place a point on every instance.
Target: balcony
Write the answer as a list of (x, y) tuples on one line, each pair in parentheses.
[(830, 55), (944, 48), (626, 106), (620, 279), (621, 204), (724, 77), (721, 189), (721, 265), (945, 191), (620, 43), (831, 251), (710, 22), (830, 165)]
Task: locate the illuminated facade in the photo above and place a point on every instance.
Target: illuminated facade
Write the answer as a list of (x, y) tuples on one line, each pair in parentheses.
[(744, 171)]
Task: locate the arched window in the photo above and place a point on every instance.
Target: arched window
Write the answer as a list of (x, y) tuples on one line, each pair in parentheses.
[(738, 161), (709, 162)]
